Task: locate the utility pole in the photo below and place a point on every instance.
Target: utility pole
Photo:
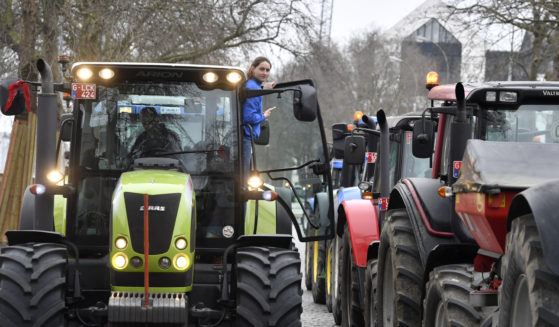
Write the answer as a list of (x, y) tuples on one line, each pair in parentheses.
[(326, 12)]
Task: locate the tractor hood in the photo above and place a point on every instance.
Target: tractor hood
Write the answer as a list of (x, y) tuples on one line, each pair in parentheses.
[(489, 166)]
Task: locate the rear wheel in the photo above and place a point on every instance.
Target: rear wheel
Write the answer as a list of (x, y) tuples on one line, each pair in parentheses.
[(529, 295), (336, 279), (352, 313), (32, 285), (370, 310), (400, 273), (268, 287), (447, 297)]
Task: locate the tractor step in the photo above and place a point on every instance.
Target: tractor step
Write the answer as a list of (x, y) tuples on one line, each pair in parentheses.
[(484, 298), (162, 308)]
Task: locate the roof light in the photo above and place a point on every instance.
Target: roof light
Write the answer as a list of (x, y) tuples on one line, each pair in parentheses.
[(234, 77), (210, 77), (357, 115), (269, 195), (84, 73), (106, 73), (255, 181), (431, 80), (508, 96), (491, 96), (37, 189), (55, 176), (350, 127)]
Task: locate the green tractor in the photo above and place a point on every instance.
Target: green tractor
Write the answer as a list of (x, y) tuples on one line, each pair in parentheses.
[(152, 221)]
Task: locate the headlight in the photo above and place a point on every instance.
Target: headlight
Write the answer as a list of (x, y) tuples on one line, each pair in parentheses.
[(55, 176), (181, 243), (181, 262), (508, 96), (136, 262), (120, 260), (364, 186), (84, 73), (164, 263), (121, 243), (255, 181)]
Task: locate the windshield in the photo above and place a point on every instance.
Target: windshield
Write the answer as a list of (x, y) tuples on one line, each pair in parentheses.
[(295, 145), (529, 123), (175, 120), (412, 166)]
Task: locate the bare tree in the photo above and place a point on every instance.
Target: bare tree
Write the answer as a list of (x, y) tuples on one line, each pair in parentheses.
[(539, 19)]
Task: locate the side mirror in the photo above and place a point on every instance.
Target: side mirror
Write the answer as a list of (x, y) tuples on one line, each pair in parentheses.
[(17, 105), (305, 103), (66, 123), (264, 137), (423, 138), (339, 132), (354, 150)]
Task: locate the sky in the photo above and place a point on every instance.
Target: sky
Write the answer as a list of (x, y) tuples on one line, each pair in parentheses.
[(354, 16)]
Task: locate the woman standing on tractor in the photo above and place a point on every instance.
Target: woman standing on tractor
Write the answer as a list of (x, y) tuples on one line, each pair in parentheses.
[(257, 75)]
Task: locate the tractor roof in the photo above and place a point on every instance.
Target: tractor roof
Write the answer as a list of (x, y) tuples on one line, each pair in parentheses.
[(446, 92)]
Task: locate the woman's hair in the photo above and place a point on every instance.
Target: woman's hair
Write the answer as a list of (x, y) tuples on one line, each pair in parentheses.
[(257, 61)]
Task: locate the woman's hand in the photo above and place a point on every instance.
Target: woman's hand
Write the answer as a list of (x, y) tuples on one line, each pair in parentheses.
[(268, 112), (268, 85)]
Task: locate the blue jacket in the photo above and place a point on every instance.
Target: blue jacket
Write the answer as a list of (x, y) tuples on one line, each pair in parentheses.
[(252, 110)]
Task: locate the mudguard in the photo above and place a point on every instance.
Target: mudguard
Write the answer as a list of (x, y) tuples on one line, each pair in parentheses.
[(362, 223), (541, 201), (344, 193), (427, 212), (322, 201)]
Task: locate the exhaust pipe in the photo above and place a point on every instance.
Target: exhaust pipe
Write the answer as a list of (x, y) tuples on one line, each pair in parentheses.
[(45, 158)]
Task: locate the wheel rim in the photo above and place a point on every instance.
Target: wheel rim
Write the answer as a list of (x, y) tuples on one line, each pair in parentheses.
[(328, 271), (336, 269), (440, 316), (387, 290), (315, 262), (372, 315), (521, 310)]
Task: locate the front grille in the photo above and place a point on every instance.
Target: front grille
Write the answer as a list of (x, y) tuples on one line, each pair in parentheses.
[(136, 279), (162, 216)]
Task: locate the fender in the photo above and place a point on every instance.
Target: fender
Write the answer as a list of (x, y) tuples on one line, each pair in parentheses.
[(344, 193), (541, 201), (362, 223), (428, 220), (322, 202)]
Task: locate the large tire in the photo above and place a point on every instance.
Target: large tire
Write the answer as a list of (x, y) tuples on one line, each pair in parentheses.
[(318, 275), (370, 310), (268, 287), (328, 277), (352, 312), (32, 285), (447, 297), (529, 294), (308, 265), (336, 279), (400, 273)]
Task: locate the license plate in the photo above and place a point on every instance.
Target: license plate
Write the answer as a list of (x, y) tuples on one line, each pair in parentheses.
[(84, 91)]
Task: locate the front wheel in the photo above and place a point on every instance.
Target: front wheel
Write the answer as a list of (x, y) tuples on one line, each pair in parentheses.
[(352, 312), (529, 295), (447, 297), (32, 285), (336, 278), (318, 281), (268, 287), (370, 310), (400, 273)]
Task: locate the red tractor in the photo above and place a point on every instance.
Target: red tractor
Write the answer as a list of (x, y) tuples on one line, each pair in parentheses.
[(450, 243)]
